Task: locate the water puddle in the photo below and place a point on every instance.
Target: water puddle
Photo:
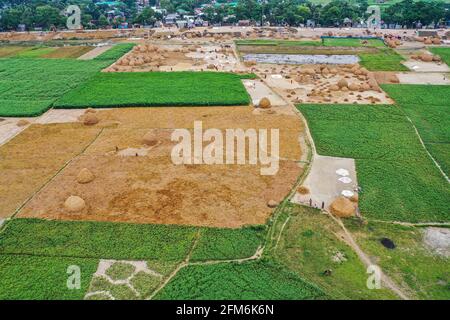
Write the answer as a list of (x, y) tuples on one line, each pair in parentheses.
[(301, 58)]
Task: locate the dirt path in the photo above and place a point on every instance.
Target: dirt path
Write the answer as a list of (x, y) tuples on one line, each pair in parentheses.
[(348, 238)]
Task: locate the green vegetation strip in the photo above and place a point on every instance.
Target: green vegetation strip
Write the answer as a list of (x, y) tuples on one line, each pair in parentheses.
[(115, 52), (428, 108), (28, 87), (442, 52), (124, 241), (398, 179), (258, 280), (353, 42), (26, 277), (384, 60), (157, 89)]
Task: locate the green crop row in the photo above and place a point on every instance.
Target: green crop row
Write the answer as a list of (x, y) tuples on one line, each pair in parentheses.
[(157, 89), (262, 280), (126, 241), (428, 108), (398, 179)]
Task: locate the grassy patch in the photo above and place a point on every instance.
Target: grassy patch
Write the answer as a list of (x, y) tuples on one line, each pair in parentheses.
[(28, 87), (309, 246), (410, 263), (428, 108), (222, 244), (250, 280), (384, 60), (442, 52), (145, 283), (398, 179), (157, 89), (120, 271), (353, 42), (120, 241), (42, 278)]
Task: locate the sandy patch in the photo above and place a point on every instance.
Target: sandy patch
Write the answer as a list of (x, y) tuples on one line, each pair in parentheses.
[(438, 240)]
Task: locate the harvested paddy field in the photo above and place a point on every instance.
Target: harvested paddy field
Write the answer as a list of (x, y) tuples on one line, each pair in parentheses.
[(29, 160), (149, 188)]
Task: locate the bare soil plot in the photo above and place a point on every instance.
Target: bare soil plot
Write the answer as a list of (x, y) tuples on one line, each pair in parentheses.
[(149, 188), (10, 51), (68, 52), (34, 156)]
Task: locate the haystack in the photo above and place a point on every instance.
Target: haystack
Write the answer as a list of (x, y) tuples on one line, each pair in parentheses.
[(22, 123), (149, 139), (74, 204), (90, 119), (342, 83), (426, 57), (85, 176), (303, 190), (264, 103), (354, 87), (342, 207), (334, 87), (272, 204), (436, 41)]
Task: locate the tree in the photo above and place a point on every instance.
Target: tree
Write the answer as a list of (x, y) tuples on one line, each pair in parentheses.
[(102, 21), (145, 17), (47, 16)]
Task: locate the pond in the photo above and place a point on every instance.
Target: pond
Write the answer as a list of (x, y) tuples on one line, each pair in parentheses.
[(301, 58)]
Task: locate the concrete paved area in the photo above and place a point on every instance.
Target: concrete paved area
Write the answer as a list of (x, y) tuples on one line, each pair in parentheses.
[(323, 181), (95, 52), (258, 90), (420, 66), (60, 116), (436, 78)]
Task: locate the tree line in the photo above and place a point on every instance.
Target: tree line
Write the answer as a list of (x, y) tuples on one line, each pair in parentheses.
[(48, 13)]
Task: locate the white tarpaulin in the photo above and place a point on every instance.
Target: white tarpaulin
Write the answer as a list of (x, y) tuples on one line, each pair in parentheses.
[(342, 172), (345, 180)]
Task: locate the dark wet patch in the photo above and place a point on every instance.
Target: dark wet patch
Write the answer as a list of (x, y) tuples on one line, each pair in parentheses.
[(387, 243)]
